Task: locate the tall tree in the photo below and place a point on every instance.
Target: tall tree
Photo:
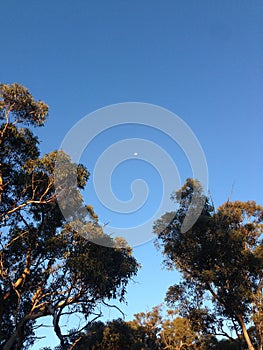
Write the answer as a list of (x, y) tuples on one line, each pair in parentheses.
[(46, 267), (221, 259)]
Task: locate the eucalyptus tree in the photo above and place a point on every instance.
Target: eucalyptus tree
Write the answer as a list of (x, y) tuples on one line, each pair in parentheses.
[(221, 263), (47, 269)]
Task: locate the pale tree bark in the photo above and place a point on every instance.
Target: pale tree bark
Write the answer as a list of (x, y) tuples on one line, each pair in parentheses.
[(239, 319), (245, 333)]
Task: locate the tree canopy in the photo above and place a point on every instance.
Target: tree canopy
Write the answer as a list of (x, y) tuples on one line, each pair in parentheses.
[(220, 258), (46, 267), (51, 267), (153, 329)]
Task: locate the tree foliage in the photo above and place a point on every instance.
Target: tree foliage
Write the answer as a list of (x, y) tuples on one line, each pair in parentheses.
[(148, 330), (221, 260), (46, 267)]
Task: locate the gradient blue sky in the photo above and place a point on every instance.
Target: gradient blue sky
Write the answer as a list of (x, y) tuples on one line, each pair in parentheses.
[(200, 59)]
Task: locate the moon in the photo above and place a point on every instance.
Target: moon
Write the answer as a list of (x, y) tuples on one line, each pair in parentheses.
[(135, 154)]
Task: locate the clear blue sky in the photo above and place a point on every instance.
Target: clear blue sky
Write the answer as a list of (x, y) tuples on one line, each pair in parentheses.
[(200, 59)]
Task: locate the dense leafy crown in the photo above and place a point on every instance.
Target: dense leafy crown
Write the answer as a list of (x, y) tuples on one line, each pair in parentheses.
[(221, 260), (46, 268)]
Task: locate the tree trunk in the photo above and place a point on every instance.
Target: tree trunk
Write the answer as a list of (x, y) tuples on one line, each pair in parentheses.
[(12, 340), (245, 333)]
